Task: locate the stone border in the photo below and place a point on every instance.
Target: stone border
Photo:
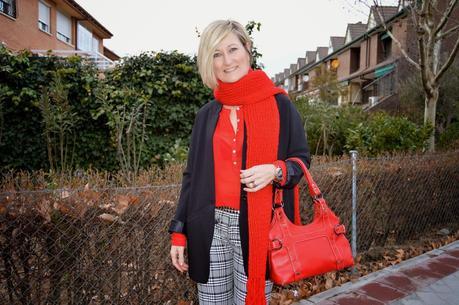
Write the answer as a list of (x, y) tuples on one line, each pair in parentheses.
[(374, 275)]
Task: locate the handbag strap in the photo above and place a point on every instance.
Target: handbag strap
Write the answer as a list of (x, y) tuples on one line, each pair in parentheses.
[(314, 191)]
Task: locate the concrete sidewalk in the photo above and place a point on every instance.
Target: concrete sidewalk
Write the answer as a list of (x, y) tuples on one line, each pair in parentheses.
[(429, 279)]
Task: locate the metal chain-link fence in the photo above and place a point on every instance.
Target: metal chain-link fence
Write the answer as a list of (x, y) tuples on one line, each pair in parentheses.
[(111, 246)]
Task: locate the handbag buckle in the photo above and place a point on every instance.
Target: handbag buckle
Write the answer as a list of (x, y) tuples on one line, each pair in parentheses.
[(340, 229), (276, 244), (277, 205), (317, 197)]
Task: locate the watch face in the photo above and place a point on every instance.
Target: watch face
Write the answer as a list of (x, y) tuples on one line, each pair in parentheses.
[(279, 173)]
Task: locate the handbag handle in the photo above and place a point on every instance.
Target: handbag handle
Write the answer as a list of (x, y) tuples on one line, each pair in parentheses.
[(314, 190)]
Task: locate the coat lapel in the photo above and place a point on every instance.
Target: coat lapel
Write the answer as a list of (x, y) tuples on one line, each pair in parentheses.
[(210, 129)]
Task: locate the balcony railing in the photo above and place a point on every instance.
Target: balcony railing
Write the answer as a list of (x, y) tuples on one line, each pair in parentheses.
[(101, 61), (8, 8), (379, 89)]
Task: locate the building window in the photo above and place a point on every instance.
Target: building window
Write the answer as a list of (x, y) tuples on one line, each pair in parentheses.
[(44, 12), (95, 44), (8, 7), (84, 40), (355, 60), (385, 47), (64, 28)]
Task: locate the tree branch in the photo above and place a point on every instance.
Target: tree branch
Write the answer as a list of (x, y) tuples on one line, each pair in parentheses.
[(395, 40), (448, 62), (422, 64), (445, 16), (444, 34)]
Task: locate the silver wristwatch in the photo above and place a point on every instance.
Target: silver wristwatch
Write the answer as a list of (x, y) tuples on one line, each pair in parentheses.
[(278, 174)]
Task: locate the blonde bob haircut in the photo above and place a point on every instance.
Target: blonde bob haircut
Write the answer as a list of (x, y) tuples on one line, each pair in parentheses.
[(213, 34)]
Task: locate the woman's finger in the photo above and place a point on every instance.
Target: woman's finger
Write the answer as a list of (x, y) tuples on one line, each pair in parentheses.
[(256, 188), (246, 174), (181, 259), (175, 254), (250, 180)]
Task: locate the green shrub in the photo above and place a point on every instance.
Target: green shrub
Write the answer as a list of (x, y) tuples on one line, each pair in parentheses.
[(61, 113), (335, 130), (385, 133), (27, 83), (150, 102), (449, 139)]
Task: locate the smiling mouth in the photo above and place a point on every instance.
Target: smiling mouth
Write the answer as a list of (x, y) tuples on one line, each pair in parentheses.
[(230, 70)]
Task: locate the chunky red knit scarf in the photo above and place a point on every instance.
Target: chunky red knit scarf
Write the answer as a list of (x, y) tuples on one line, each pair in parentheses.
[(255, 91)]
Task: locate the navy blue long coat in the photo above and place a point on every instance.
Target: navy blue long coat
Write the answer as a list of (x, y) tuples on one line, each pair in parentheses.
[(196, 206)]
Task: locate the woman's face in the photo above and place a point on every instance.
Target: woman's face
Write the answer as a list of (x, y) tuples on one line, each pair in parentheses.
[(231, 60)]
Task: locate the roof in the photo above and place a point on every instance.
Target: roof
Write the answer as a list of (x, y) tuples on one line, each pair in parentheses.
[(301, 62), (386, 11), (356, 29), (337, 42), (400, 14), (310, 56), (88, 16), (322, 51), (110, 54)]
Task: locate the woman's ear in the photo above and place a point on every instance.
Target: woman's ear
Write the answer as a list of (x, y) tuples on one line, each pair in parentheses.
[(248, 47)]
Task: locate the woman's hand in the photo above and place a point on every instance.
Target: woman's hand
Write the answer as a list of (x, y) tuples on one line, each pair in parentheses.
[(257, 177), (178, 258)]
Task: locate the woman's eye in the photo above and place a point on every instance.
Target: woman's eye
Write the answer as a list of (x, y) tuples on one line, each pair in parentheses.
[(233, 49), (216, 55)]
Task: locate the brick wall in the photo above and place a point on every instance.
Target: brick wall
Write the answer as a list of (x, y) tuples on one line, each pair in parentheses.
[(22, 32)]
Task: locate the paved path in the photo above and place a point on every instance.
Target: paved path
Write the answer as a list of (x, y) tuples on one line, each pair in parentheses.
[(429, 279)]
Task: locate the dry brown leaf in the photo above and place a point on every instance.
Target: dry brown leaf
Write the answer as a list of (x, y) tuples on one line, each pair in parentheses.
[(44, 209), (64, 194), (121, 204), (107, 217), (89, 197), (3, 207), (328, 283)]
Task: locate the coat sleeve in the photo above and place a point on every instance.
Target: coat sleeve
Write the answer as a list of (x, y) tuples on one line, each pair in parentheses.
[(297, 147), (178, 223)]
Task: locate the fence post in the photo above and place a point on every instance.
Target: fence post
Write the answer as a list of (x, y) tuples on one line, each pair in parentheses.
[(354, 205)]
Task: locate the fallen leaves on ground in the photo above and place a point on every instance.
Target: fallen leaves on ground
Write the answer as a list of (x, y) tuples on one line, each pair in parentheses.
[(374, 259)]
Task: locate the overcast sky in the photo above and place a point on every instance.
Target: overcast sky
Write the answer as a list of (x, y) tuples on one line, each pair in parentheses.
[(288, 28)]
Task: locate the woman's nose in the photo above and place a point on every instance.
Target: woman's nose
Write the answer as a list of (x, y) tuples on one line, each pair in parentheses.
[(226, 59)]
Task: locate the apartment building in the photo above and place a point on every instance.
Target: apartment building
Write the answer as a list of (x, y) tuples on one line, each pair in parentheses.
[(60, 26), (364, 61)]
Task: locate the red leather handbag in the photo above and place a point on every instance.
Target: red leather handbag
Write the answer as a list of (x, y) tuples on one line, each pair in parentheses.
[(297, 252)]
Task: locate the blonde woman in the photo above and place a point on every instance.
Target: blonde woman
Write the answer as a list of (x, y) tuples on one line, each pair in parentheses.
[(238, 144)]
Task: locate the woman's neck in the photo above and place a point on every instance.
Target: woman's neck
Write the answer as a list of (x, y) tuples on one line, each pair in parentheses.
[(230, 107)]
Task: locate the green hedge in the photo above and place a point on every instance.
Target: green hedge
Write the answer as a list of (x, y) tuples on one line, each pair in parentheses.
[(333, 130), (61, 113)]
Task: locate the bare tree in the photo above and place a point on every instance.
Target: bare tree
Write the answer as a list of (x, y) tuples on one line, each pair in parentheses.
[(434, 25)]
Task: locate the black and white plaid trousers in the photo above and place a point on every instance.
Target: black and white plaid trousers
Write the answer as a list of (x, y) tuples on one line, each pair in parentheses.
[(227, 279)]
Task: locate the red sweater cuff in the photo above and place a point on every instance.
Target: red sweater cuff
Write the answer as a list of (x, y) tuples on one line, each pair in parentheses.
[(281, 164), (178, 239)]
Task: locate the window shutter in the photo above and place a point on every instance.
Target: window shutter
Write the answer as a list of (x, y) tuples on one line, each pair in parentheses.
[(43, 13), (64, 25)]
